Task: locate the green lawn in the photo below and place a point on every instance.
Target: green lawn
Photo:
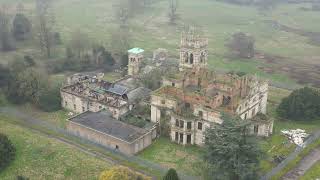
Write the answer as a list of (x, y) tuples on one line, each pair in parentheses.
[(187, 159), (41, 157), (150, 30), (312, 173), (57, 118)]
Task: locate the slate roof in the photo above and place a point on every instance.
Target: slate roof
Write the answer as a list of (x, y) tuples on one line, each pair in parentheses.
[(104, 123), (138, 94), (118, 89)]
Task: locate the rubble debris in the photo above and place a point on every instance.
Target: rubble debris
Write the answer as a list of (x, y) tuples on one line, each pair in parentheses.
[(296, 136)]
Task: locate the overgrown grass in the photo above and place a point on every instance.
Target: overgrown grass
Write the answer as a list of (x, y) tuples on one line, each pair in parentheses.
[(57, 118), (111, 76), (294, 162), (187, 159), (278, 144), (41, 157), (151, 30), (312, 173)]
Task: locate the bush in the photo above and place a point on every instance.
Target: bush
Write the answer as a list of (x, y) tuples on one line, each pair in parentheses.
[(171, 175), (50, 100), (121, 173), (301, 104), (7, 152)]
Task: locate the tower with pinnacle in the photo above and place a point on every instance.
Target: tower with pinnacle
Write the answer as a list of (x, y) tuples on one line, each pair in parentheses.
[(193, 50)]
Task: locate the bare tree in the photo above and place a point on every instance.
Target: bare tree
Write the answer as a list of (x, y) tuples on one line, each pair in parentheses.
[(80, 43), (122, 12), (120, 41), (173, 6), (45, 20)]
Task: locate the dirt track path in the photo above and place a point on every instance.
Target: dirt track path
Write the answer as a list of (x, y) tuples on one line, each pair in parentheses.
[(306, 163)]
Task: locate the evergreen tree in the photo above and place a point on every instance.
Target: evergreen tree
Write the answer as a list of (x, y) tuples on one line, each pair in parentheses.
[(7, 152), (171, 175), (231, 152), (301, 104)]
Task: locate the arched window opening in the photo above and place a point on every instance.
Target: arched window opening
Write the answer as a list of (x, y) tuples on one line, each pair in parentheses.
[(191, 58), (186, 57), (202, 57)]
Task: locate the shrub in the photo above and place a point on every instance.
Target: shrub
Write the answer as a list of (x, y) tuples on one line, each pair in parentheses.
[(121, 173), (7, 152), (171, 175), (301, 104), (50, 100)]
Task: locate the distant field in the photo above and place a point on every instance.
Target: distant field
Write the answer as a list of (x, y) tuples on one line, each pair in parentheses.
[(40, 157), (295, 59)]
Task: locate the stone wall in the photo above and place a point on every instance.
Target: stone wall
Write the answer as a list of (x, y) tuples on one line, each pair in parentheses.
[(79, 104), (110, 141)]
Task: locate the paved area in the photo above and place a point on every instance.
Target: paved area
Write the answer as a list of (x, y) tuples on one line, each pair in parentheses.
[(306, 163)]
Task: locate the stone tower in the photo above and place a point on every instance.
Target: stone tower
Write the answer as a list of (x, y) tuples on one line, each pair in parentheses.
[(135, 56), (193, 50)]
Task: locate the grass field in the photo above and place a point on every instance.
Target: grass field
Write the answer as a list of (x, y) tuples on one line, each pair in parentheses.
[(312, 173), (40, 157), (187, 159), (150, 30)]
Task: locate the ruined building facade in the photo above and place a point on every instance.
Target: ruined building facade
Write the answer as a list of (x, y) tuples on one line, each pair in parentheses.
[(195, 98), (193, 51)]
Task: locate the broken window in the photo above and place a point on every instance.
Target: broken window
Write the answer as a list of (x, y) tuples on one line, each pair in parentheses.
[(189, 125), (176, 137), (191, 58), (173, 84), (226, 100), (199, 125), (245, 116), (200, 114), (202, 57), (66, 103), (75, 107), (181, 138), (181, 124), (83, 109), (256, 129), (177, 123), (189, 139), (163, 101), (187, 105), (186, 58)]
